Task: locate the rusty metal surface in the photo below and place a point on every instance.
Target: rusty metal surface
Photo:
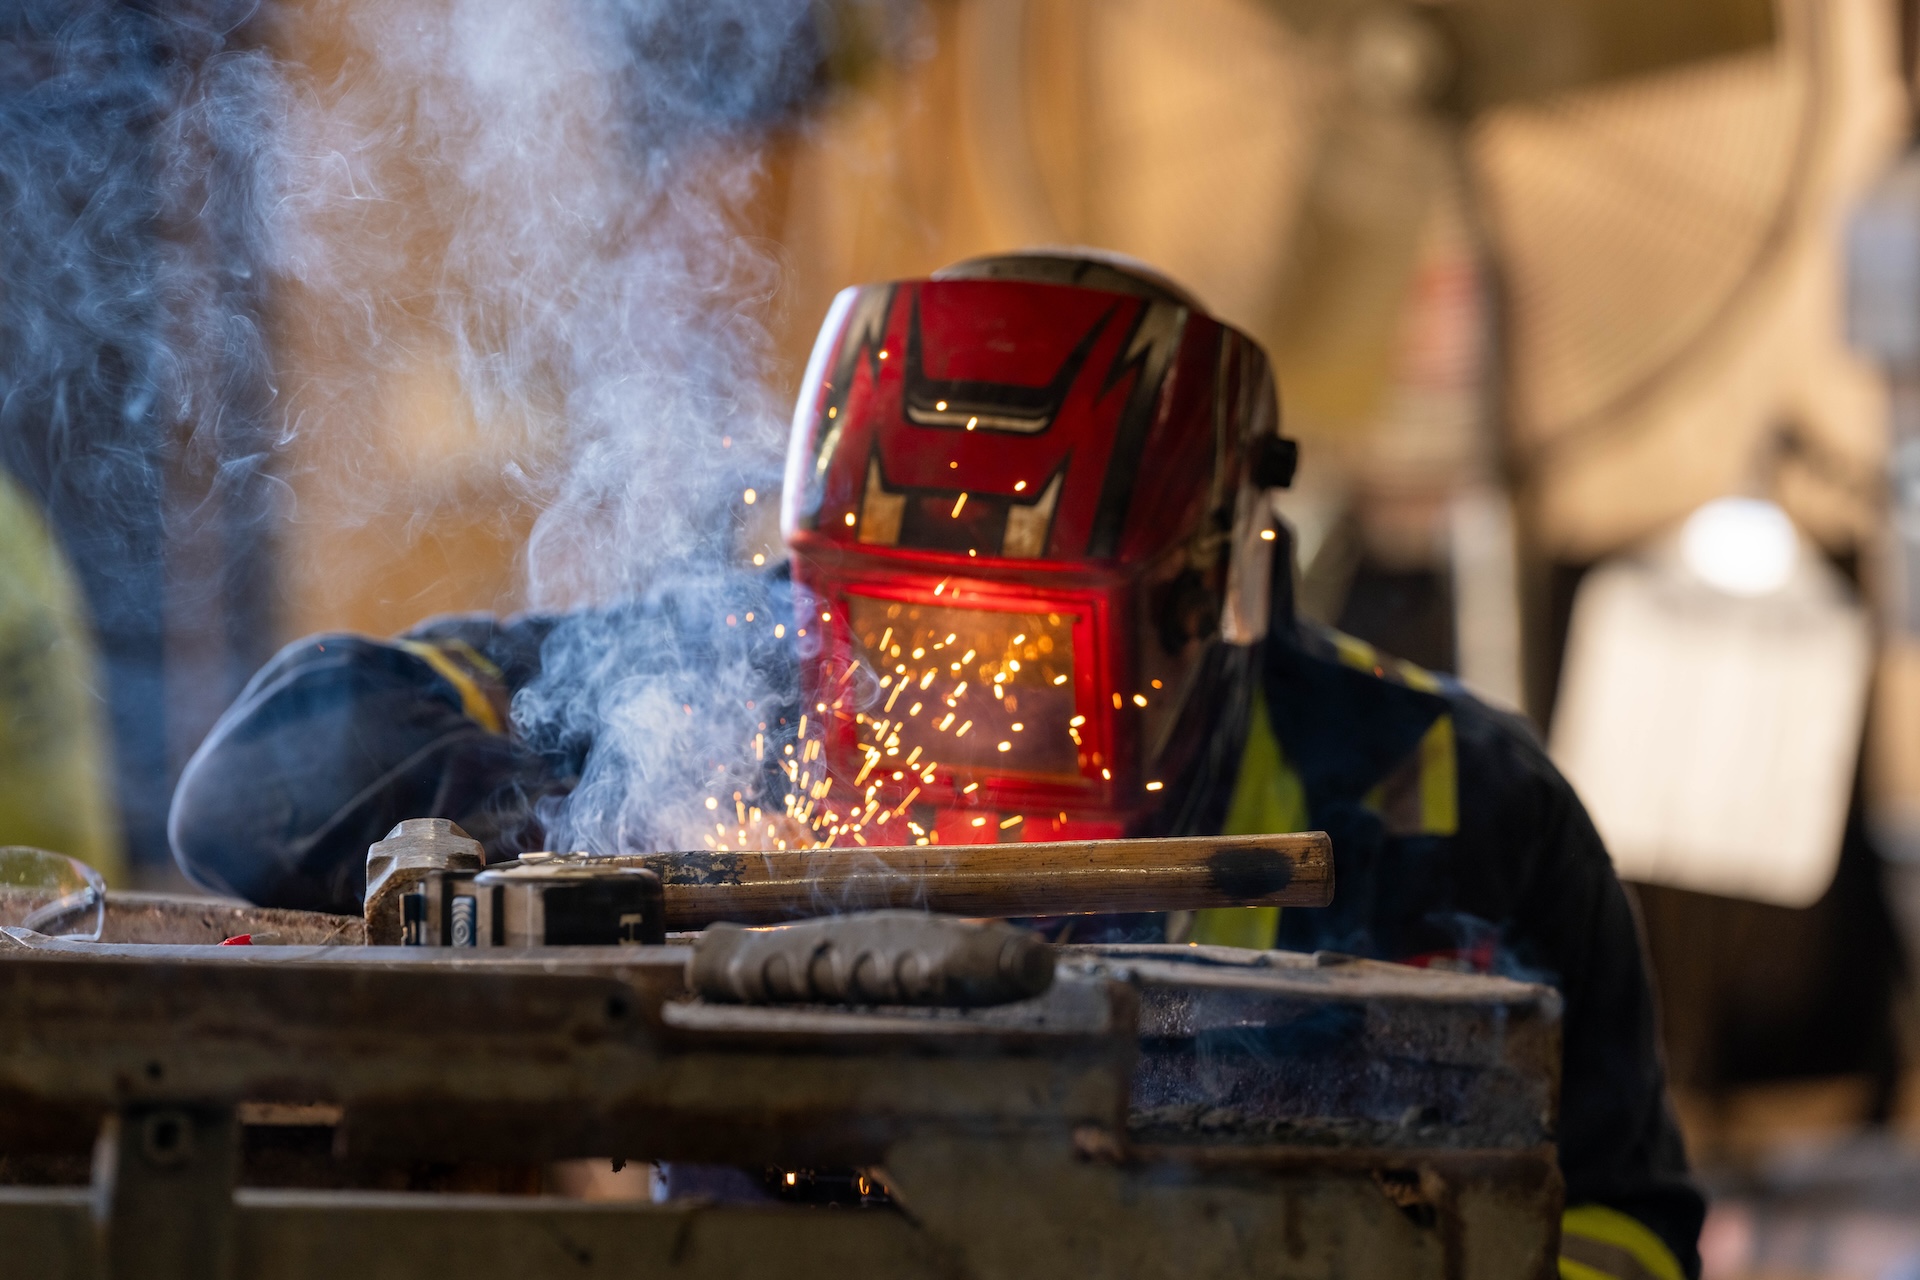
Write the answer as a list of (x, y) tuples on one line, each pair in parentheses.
[(1329, 1050), (175, 918), (527, 1059), (975, 1209), (1016, 1140)]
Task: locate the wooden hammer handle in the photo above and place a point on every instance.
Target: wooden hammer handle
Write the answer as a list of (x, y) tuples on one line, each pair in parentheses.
[(1039, 879)]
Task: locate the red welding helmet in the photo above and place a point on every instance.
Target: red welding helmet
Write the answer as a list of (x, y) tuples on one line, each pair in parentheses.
[(1022, 496)]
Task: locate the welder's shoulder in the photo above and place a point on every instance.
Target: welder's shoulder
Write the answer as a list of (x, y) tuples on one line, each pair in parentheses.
[(334, 740), (328, 695), (321, 669), (509, 646), (1501, 755), (1512, 812)]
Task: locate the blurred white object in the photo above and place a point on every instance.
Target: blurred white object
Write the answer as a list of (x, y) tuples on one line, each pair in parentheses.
[(1486, 595), (1710, 707), (1741, 545)]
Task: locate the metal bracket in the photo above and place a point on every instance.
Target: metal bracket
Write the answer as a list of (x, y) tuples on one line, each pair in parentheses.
[(163, 1191)]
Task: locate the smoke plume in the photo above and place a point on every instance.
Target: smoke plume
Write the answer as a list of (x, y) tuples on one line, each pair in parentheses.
[(567, 177)]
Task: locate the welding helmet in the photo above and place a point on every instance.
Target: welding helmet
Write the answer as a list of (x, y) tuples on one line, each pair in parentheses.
[(1022, 497)]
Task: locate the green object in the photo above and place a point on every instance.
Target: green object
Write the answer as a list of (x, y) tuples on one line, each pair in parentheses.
[(55, 786), (1268, 799)]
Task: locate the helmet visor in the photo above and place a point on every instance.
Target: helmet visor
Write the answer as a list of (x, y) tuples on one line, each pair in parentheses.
[(971, 690)]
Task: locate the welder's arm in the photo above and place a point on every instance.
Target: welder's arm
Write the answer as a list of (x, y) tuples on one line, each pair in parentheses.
[(1632, 1210), (340, 737)]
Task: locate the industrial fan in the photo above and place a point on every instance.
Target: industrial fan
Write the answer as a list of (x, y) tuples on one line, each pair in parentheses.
[(1495, 235), (1473, 235)]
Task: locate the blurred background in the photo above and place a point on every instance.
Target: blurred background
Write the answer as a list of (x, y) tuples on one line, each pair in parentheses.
[(1599, 323)]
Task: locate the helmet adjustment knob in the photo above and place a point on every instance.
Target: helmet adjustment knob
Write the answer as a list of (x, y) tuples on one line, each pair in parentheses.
[(1275, 458)]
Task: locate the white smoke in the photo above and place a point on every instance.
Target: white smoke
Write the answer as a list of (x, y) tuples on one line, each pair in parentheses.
[(568, 177), (588, 161), (138, 171)]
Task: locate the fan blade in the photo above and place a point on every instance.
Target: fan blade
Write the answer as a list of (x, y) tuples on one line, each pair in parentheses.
[(1355, 247), (1512, 50)]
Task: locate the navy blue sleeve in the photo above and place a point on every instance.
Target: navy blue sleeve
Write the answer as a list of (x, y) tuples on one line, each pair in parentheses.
[(331, 744)]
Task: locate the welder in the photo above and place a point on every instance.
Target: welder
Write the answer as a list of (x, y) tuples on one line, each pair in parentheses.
[(1039, 591)]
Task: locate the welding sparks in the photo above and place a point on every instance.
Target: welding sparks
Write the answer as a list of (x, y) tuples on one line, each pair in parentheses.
[(887, 734)]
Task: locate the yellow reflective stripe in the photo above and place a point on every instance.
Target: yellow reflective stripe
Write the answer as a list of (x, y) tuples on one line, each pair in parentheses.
[(474, 659), (1421, 795), (1418, 677), (1613, 1229), (473, 699), (1571, 1270), (1439, 781), (1354, 653), (1268, 799), (1268, 796), (1361, 656), (1255, 928)]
